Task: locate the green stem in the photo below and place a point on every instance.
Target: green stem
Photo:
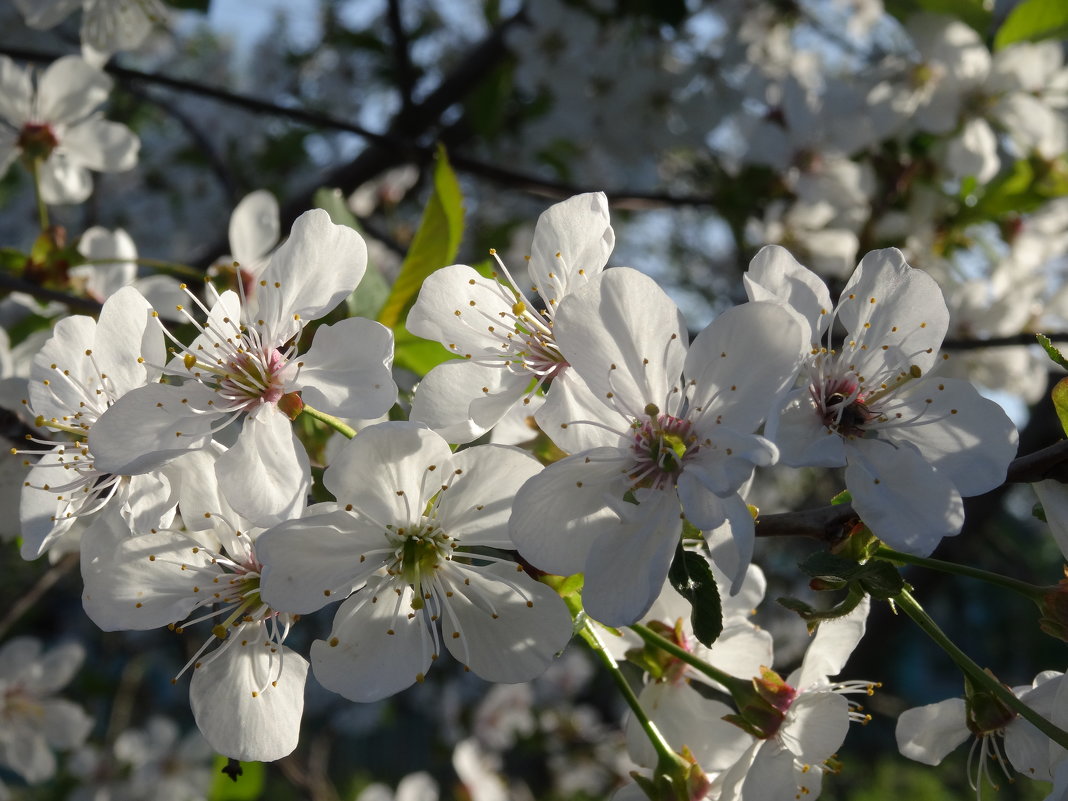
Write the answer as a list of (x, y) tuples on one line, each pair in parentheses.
[(42, 209), (668, 762), (1022, 587), (733, 684), (336, 424), (980, 677)]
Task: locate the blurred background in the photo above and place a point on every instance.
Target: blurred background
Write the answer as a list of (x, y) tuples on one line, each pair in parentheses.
[(832, 127)]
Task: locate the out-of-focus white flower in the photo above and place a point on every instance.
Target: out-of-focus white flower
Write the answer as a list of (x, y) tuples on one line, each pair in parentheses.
[(53, 123), (107, 25), (114, 265), (33, 721)]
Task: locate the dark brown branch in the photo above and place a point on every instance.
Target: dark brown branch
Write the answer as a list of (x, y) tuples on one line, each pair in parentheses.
[(999, 342), (832, 523), (9, 283), (401, 58)]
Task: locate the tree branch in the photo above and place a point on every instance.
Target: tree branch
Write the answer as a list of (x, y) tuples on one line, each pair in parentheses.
[(831, 524)]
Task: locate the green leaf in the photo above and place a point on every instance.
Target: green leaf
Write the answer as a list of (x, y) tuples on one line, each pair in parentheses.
[(1032, 21), (842, 497), (435, 244), (1051, 350), (248, 787), (418, 355), (829, 566), (692, 578), (1060, 402), (813, 617), (881, 580)]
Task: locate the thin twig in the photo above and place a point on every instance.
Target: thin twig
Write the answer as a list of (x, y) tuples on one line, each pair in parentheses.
[(30, 598)]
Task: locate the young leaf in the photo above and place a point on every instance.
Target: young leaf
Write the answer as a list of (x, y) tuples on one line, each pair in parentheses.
[(692, 578), (434, 246), (1051, 350), (1032, 21), (1060, 402)]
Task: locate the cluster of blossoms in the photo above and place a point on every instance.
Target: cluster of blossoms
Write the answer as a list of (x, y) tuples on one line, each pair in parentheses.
[(180, 520), (577, 426)]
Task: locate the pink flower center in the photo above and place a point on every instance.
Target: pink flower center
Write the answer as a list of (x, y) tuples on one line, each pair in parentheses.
[(253, 378), (661, 445)]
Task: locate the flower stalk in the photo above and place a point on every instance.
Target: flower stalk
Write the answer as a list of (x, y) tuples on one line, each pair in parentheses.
[(1025, 589), (328, 419), (979, 677)]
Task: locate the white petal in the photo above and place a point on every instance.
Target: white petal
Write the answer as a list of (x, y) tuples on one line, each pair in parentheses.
[(151, 425), (266, 475), (816, 726), (389, 471), (740, 528), (102, 145), (143, 582), (346, 372), (478, 504), (686, 718), (128, 342), (627, 566), (465, 312), (317, 560), (1053, 495), (65, 724), (248, 701), (774, 274), (509, 625), (901, 497), (64, 180), (928, 733), (572, 242), (254, 227), (375, 649), (462, 400), (887, 302), (625, 337), (968, 438), (44, 14), (315, 269), (832, 646), (802, 436), (16, 92), (70, 90), (742, 363), (559, 512), (575, 420)]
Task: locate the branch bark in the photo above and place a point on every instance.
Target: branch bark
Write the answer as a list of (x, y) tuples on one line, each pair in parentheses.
[(831, 524)]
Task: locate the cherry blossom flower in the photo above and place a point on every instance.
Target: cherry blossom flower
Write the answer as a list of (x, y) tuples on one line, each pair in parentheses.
[(912, 442), (53, 123), (398, 551), (247, 693), (75, 378), (655, 426), (929, 733), (682, 714), (812, 716), (107, 25), (245, 362), (114, 265), (32, 720), (505, 343)]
